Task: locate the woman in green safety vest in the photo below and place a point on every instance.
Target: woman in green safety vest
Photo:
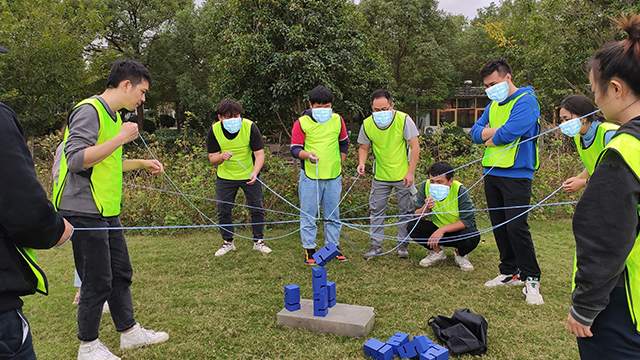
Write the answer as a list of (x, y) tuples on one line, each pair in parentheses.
[(605, 303), (593, 134)]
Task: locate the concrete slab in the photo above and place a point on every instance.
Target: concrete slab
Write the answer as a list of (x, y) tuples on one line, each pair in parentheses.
[(343, 319)]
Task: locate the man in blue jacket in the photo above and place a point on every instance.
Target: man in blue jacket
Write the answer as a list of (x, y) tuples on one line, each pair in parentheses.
[(27, 221), (511, 117)]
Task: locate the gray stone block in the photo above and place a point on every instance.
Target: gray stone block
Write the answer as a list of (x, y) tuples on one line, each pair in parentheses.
[(343, 319)]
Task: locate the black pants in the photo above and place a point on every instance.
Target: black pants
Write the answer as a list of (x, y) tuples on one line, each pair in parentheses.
[(13, 326), (614, 334), (465, 240), (102, 261), (513, 239), (226, 191)]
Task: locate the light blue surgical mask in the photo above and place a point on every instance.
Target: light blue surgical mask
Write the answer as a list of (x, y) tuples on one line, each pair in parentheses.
[(439, 192), (498, 92), (571, 127), (383, 118), (232, 125), (321, 115)]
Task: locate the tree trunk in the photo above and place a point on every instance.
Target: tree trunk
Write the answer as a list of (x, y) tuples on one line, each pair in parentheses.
[(141, 117)]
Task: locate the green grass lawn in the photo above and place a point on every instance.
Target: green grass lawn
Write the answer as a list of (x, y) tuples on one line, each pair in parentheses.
[(225, 308)]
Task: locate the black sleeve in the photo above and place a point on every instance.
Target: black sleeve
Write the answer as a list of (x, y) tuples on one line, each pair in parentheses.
[(26, 215), (256, 142), (212, 144), (605, 226)]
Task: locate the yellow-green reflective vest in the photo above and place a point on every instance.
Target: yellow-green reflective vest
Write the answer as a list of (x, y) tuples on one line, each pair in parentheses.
[(322, 139), (37, 278), (241, 149), (106, 176), (628, 147), (446, 212), (497, 155), (590, 154), (389, 148)]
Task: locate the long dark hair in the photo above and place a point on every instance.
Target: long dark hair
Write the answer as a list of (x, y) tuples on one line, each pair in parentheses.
[(620, 59), (580, 105)]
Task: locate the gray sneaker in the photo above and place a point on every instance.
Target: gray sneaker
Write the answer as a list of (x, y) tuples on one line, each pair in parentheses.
[(225, 248), (504, 280), (373, 251), (403, 253), (433, 257), (532, 291)]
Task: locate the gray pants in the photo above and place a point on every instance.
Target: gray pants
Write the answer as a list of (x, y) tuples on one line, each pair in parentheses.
[(379, 197)]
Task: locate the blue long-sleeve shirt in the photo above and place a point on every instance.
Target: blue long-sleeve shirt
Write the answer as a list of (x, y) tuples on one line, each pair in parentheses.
[(523, 122)]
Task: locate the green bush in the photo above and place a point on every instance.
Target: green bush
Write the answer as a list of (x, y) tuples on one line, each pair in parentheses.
[(185, 159)]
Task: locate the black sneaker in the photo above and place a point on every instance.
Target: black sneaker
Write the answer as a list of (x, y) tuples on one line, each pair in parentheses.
[(308, 256)]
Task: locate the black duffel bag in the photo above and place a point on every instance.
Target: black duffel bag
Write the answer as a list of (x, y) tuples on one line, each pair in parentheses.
[(464, 333)]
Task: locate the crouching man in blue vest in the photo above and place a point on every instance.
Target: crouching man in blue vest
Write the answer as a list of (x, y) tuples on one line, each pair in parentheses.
[(453, 221)]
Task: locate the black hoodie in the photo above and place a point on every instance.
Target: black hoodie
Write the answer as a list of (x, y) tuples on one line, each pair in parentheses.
[(27, 217), (605, 226)]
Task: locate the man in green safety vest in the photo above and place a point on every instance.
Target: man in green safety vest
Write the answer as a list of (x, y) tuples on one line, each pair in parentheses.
[(453, 221), (27, 221), (236, 147), (511, 117), (88, 192), (393, 136), (319, 139)]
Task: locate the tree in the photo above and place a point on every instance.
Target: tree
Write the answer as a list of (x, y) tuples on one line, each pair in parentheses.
[(273, 52), (133, 29), (45, 71), (415, 40)]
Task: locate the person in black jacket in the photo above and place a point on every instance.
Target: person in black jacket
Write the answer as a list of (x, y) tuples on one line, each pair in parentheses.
[(605, 303), (27, 220)]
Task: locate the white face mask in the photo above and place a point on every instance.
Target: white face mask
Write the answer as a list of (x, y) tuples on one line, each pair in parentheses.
[(383, 118), (439, 192), (321, 115), (571, 127), (498, 92), (232, 125)]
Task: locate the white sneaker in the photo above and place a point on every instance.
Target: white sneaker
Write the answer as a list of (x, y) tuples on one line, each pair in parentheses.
[(260, 246), (225, 248), (95, 350), (105, 307), (433, 258), (463, 262), (140, 336), (504, 280), (532, 290)]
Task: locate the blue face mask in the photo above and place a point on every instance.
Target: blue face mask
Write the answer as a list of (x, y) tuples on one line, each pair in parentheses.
[(498, 92), (321, 115), (439, 192), (232, 125), (571, 127), (383, 118)]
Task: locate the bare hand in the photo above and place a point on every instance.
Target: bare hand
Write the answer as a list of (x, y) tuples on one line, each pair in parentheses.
[(68, 229), (407, 181), (227, 155), (574, 184), (435, 238), (252, 179), (153, 166), (360, 169), (578, 329), (128, 132), (429, 202), (313, 158), (489, 142)]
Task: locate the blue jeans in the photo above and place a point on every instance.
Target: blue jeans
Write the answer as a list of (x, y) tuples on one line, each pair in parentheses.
[(15, 336), (329, 194)]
